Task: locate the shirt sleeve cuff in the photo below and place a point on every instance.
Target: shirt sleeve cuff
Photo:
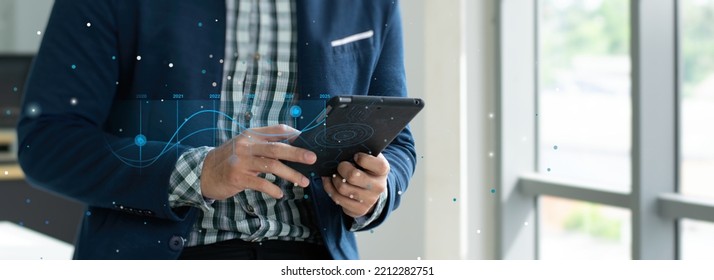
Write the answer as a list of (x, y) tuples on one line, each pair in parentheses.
[(185, 183), (363, 221)]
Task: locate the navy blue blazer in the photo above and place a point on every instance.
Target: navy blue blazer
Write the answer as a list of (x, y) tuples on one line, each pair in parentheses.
[(89, 97)]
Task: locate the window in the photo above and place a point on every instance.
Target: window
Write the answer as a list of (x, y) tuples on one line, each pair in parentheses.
[(572, 229), (584, 91)]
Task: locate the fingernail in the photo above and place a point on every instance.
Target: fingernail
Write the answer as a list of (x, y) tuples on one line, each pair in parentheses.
[(305, 181), (310, 157)]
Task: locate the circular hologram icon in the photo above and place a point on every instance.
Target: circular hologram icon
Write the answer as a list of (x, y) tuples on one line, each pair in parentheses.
[(344, 135), (140, 140), (295, 111)]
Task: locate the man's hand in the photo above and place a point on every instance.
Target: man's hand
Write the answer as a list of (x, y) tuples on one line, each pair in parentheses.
[(357, 189), (234, 166)]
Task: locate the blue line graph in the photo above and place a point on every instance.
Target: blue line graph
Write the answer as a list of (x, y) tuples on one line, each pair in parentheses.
[(140, 140)]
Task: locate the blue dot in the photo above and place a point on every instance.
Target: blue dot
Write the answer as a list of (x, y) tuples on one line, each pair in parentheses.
[(14, 89), (295, 111), (200, 24), (304, 196), (8, 112), (493, 190), (312, 174), (89, 213), (47, 222), (28, 201), (74, 66), (22, 224), (114, 57), (140, 140), (203, 71)]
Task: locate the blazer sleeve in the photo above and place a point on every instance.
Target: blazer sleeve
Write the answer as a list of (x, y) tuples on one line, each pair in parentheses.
[(390, 79), (69, 94)]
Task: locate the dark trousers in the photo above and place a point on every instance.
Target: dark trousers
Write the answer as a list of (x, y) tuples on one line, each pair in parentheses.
[(237, 249)]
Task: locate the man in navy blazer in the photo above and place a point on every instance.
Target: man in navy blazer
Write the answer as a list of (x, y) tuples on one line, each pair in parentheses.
[(102, 111)]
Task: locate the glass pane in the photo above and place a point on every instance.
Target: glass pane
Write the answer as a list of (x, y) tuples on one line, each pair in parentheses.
[(697, 97), (584, 113), (697, 240), (572, 229)]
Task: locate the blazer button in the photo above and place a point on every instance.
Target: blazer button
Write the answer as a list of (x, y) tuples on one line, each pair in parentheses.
[(176, 243)]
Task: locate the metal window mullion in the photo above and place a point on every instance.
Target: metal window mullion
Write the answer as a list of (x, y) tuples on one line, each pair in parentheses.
[(654, 126), (516, 211)]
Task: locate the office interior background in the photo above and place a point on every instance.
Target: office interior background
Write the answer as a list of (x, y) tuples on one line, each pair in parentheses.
[(554, 129)]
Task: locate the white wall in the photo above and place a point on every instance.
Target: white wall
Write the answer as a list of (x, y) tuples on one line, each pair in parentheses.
[(19, 22)]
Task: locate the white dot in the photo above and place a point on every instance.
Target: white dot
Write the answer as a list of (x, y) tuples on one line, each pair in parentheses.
[(117, 82), (138, 57), (399, 193), (525, 224), (171, 65), (120, 130), (490, 115), (117, 250), (478, 231), (214, 84), (418, 258), (210, 56), (6, 172), (229, 78), (220, 61), (490, 154), (89, 24), (39, 32), (280, 74), (216, 20), (162, 100), (73, 101)]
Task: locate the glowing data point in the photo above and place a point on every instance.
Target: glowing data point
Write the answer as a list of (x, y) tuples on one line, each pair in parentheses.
[(138, 57), (478, 231), (305, 196), (33, 110), (114, 57), (171, 65), (140, 140), (203, 71), (89, 24), (295, 111), (73, 101), (39, 32), (74, 66), (200, 24), (493, 190), (6, 172), (14, 89)]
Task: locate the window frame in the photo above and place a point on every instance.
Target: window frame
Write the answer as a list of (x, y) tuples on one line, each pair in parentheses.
[(653, 201)]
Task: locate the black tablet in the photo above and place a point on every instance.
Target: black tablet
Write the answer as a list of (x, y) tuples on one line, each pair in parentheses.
[(353, 124)]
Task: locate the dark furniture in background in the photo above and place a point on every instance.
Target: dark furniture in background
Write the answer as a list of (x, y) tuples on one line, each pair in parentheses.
[(19, 202)]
